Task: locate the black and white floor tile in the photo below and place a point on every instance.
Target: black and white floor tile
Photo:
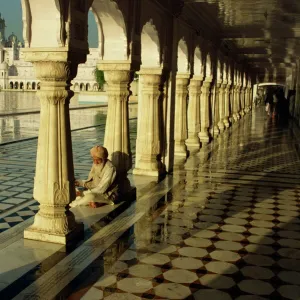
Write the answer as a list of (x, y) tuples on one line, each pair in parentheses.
[(228, 228)]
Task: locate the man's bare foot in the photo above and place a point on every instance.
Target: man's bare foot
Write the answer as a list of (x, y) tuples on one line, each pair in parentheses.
[(95, 204)]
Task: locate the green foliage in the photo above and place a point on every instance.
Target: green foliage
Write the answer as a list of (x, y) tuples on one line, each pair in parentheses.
[(136, 76), (99, 77)]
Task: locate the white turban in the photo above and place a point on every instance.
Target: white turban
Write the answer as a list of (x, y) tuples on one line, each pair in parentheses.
[(99, 152)]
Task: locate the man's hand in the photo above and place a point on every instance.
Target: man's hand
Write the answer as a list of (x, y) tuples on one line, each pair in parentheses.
[(77, 183), (95, 204)]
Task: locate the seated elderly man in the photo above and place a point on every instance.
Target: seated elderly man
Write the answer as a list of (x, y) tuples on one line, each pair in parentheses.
[(100, 187)]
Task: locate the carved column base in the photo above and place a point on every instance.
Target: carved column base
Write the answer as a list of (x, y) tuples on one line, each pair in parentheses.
[(221, 126), (236, 117), (193, 142), (59, 228), (147, 172), (180, 149), (215, 131), (204, 137), (149, 166), (226, 122), (72, 236)]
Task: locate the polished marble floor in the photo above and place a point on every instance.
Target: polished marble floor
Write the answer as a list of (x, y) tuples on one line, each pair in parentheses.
[(224, 226)]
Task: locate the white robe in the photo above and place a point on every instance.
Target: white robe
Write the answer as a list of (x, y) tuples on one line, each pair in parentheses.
[(100, 184)]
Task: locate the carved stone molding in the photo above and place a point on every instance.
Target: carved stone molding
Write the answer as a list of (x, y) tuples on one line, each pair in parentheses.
[(53, 71)]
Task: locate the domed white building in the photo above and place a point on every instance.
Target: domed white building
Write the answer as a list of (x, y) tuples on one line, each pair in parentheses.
[(18, 74), (3, 75)]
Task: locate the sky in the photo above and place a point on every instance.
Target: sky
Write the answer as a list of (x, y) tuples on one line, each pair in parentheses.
[(11, 11)]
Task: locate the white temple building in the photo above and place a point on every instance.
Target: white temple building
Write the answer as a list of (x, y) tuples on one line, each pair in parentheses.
[(15, 73)]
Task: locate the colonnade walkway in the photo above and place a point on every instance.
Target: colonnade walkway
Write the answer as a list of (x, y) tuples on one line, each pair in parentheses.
[(224, 226)]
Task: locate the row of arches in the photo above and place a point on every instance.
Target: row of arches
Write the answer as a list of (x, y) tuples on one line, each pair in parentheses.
[(16, 85), (180, 74), (85, 87)]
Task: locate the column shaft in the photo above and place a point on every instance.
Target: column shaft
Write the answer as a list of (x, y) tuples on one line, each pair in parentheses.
[(182, 82), (227, 105), (221, 124), (116, 138), (204, 112), (193, 141), (216, 110), (54, 179), (148, 143)]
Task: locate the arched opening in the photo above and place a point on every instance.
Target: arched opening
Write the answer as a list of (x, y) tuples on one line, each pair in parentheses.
[(112, 32), (33, 85), (198, 67), (219, 71), (95, 87), (11, 85), (87, 87), (21, 85), (16, 85), (38, 86), (182, 57), (150, 46), (76, 87), (81, 86), (208, 66), (93, 30)]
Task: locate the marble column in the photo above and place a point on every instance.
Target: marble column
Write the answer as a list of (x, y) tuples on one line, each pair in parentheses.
[(216, 110), (148, 142), (193, 141), (227, 104), (231, 104), (54, 179), (118, 77), (182, 82), (221, 124), (236, 114), (250, 97), (204, 134), (242, 101), (246, 100)]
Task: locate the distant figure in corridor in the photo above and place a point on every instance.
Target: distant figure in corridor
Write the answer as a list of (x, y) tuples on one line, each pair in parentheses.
[(100, 187), (269, 102)]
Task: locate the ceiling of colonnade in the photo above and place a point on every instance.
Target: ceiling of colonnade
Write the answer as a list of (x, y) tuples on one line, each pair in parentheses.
[(265, 33)]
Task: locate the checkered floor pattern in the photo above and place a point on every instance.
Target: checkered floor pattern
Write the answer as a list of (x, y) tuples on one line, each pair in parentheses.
[(17, 172), (228, 242), (18, 217), (214, 238)]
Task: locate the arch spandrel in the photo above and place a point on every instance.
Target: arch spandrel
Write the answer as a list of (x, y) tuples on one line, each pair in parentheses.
[(112, 30)]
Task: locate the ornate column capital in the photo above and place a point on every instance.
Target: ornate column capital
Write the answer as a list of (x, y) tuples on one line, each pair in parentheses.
[(182, 80), (195, 86), (61, 54)]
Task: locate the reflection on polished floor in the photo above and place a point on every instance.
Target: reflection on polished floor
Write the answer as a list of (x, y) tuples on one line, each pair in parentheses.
[(20, 117), (225, 226)]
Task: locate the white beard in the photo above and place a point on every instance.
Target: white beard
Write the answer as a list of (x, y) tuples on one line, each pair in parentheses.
[(98, 168)]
